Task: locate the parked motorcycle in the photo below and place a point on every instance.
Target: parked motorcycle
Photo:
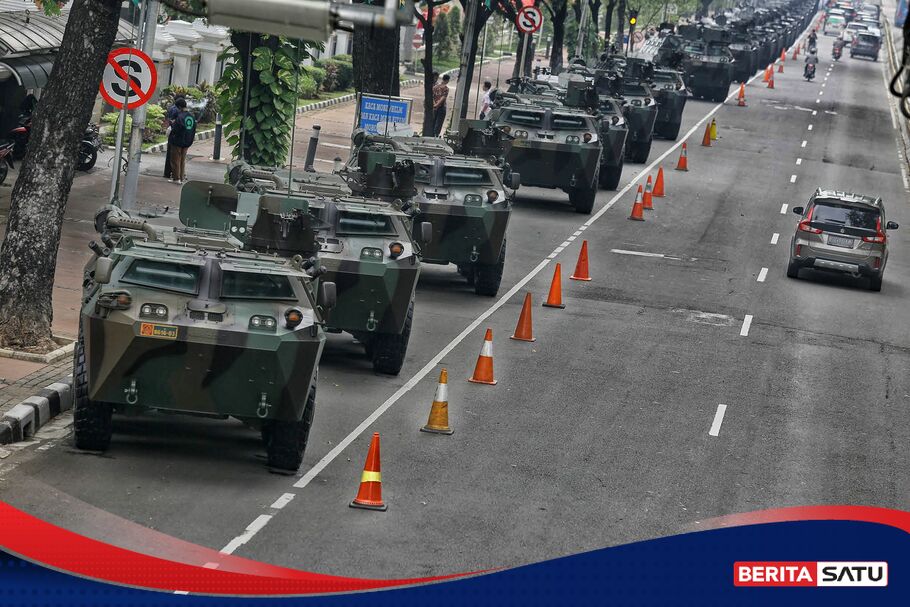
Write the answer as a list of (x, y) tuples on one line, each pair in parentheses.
[(809, 72), (6, 158), (88, 147)]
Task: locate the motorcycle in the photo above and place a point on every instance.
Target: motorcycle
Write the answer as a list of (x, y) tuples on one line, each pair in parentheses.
[(836, 53), (88, 147), (809, 72), (6, 158)]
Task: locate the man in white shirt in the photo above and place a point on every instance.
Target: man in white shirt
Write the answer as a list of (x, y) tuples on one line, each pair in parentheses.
[(486, 104)]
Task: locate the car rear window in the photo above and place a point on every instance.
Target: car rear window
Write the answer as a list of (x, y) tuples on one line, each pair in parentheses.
[(253, 285), (868, 38), (847, 216), (183, 278), (364, 223), (524, 118)]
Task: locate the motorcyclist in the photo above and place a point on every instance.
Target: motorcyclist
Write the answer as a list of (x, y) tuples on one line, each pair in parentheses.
[(811, 59), (838, 46), (813, 41)]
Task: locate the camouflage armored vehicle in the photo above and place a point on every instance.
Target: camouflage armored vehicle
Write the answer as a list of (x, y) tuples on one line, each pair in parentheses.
[(367, 250), (462, 196), (708, 63), (183, 321), (554, 147), (671, 96), (638, 103)]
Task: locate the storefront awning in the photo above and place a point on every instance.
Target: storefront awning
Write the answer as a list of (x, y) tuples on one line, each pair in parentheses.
[(31, 72)]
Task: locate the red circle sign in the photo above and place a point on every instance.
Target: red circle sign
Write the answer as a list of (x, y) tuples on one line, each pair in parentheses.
[(128, 65), (529, 20)]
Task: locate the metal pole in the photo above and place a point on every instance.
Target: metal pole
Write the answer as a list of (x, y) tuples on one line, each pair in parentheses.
[(118, 142), (483, 48), (524, 51), (463, 88), (131, 182), (499, 63), (311, 150), (582, 26), (216, 152)]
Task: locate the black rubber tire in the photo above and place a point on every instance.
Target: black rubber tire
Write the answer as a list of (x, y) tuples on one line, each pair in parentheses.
[(670, 131), (389, 349), (487, 278), (639, 151), (875, 283), (285, 442), (3, 172), (20, 146), (610, 176), (87, 158), (793, 270), (721, 95), (467, 270), (92, 425)]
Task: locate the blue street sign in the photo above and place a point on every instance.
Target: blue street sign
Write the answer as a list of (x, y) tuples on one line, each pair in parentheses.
[(376, 110)]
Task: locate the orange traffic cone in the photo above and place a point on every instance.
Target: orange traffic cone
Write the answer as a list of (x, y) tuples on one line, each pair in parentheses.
[(646, 201), (370, 494), (554, 299), (771, 81), (483, 371), (795, 52), (438, 422), (706, 140), (783, 55), (767, 75), (638, 213), (741, 98), (581, 268), (523, 330), (683, 164), (780, 67), (659, 184)]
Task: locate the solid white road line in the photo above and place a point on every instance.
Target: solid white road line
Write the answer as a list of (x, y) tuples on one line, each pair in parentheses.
[(747, 322), (282, 501), (718, 420), (762, 274), (639, 253), (792, 178), (803, 144), (799, 161), (774, 238), (254, 527), (783, 209)]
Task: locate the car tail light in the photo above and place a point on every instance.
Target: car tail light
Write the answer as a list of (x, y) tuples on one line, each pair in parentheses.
[(880, 237), (804, 224), (799, 249), (877, 263)]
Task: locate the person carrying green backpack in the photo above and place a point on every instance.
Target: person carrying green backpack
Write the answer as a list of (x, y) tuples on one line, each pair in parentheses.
[(183, 132)]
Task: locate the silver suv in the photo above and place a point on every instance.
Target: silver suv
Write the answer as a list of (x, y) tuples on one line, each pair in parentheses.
[(841, 232)]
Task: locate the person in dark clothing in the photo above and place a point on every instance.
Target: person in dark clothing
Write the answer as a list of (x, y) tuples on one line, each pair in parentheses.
[(440, 96), (169, 119), (183, 132)]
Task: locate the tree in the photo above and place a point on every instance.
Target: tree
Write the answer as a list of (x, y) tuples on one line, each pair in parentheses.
[(591, 44), (28, 256), (608, 22), (376, 59), (558, 10), (428, 22), (703, 8)]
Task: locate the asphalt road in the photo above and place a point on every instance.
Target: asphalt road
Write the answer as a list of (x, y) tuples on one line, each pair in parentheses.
[(607, 429)]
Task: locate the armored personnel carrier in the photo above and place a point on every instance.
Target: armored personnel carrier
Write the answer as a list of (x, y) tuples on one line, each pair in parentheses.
[(671, 95), (708, 63), (182, 320)]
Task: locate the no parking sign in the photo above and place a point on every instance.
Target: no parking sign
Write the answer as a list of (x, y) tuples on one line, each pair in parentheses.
[(129, 78)]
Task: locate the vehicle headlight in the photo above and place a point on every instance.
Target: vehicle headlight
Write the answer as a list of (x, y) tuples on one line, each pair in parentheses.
[(263, 322), (153, 310), (573, 139), (371, 253), (473, 199)]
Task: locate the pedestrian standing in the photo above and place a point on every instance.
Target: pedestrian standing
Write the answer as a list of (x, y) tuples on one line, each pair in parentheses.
[(169, 120), (440, 96), (487, 102), (183, 132)]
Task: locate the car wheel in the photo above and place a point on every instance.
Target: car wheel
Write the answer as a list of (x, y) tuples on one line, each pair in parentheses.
[(285, 441), (92, 425), (875, 283), (793, 270)]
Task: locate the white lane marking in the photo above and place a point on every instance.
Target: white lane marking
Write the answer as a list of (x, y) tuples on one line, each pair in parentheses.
[(774, 237), (339, 448), (744, 331), (335, 145), (824, 84), (560, 249), (564, 244), (783, 209), (571, 238), (638, 253), (815, 112), (325, 161), (762, 274), (282, 501), (210, 566), (799, 161), (820, 93), (582, 228), (792, 178), (576, 233), (718, 420), (254, 528), (809, 128), (803, 144), (818, 101)]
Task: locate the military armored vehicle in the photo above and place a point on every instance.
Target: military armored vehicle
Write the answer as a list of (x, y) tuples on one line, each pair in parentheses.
[(708, 63), (366, 246), (671, 96), (554, 147), (638, 102), (182, 320)]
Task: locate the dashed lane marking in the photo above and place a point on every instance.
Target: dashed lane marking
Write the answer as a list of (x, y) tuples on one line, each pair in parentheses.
[(792, 178), (282, 501), (718, 420), (774, 238), (744, 331), (820, 93), (762, 275), (642, 254), (799, 161), (815, 112), (809, 128), (261, 521), (803, 144), (783, 209)]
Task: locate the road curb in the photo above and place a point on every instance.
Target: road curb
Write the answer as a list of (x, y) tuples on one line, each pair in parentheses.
[(317, 105), (26, 418)]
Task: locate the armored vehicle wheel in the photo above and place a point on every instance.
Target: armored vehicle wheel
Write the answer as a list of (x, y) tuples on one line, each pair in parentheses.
[(467, 270), (285, 442), (720, 95), (582, 198), (91, 420), (389, 349), (610, 176), (670, 131), (88, 156), (639, 151), (487, 278)]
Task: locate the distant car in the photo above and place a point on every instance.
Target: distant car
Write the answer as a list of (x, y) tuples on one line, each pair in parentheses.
[(844, 233), (852, 29), (834, 26), (866, 44)]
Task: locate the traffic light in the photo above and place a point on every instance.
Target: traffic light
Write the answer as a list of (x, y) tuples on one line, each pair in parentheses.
[(633, 16)]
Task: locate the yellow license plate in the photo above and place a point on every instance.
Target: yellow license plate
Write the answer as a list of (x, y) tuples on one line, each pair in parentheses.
[(148, 329)]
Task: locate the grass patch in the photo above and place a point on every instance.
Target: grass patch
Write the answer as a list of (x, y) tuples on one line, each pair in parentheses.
[(323, 96)]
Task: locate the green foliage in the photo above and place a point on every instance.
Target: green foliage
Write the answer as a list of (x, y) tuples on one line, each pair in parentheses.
[(330, 82), (341, 72), (307, 87), (203, 93), (317, 74), (277, 79), (446, 33), (593, 43)]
